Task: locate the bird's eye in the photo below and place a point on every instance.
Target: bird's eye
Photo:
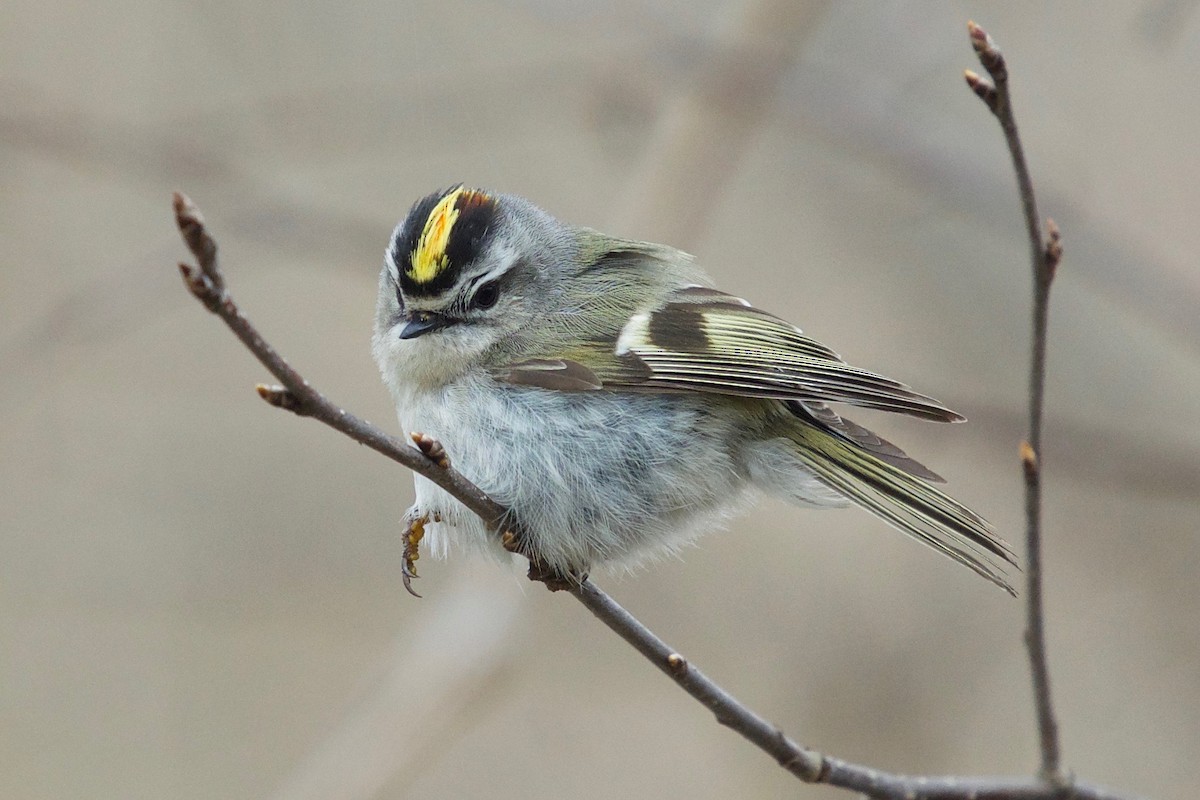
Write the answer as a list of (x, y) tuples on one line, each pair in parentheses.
[(486, 295)]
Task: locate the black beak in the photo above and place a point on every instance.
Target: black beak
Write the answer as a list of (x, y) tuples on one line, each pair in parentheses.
[(422, 322)]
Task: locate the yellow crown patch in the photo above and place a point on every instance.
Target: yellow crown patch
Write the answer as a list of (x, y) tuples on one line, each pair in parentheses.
[(429, 257)]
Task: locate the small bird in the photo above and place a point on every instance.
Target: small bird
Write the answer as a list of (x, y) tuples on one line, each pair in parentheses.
[(601, 390)]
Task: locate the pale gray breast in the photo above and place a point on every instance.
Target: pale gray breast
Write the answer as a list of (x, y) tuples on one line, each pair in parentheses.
[(598, 472)]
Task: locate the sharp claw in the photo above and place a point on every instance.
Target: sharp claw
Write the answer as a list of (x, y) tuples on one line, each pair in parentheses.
[(406, 577), (412, 551)]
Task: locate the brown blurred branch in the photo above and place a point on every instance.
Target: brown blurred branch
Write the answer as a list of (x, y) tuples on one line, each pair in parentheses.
[(703, 132), (207, 284), (1044, 255)]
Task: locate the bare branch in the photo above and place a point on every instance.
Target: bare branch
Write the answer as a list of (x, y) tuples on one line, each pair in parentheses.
[(809, 765), (430, 459), (1044, 256), (296, 395)]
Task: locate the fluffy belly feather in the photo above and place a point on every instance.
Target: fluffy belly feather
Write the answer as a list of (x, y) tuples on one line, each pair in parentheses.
[(601, 477)]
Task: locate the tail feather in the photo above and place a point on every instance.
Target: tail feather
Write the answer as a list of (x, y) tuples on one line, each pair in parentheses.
[(907, 503)]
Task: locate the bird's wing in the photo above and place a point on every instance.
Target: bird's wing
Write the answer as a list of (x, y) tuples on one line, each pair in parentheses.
[(868, 440), (703, 340)]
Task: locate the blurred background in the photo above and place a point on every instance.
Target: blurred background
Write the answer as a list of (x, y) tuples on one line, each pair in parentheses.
[(200, 595)]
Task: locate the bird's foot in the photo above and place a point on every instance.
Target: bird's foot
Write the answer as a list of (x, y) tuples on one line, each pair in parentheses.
[(555, 578), (414, 532), (431, 448)]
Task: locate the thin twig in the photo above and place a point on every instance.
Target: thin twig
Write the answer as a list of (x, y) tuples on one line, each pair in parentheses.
[(296, 395), (1044, 256), (808, 765)]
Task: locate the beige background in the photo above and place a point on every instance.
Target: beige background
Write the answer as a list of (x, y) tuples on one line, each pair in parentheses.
[(200, 596)]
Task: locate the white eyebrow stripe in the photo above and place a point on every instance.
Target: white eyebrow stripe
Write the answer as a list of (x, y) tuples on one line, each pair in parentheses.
[(389, 255), (509, 260)]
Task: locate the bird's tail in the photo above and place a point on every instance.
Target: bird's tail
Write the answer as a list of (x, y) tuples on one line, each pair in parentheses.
[(905, 502)]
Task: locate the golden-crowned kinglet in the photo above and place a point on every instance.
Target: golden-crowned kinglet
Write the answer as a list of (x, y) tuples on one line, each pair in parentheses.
[(616, 404)]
